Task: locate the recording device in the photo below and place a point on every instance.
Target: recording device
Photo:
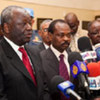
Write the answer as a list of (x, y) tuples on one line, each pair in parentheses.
[(66, 87), (86, 49), (79, 70), (97, 49), (94, 75)]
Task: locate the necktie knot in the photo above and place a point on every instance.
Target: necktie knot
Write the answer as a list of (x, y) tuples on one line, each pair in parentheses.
[(61, 56), (21, 49)]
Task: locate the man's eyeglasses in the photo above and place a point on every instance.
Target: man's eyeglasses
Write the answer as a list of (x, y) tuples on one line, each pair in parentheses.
[(45, 29)]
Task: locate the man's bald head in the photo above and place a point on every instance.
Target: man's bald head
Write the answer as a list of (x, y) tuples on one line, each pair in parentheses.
[(70, 16), (72, 21)]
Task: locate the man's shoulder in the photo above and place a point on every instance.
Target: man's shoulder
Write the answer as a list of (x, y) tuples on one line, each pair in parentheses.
[(82, 32), (32, 49), (46, 51)]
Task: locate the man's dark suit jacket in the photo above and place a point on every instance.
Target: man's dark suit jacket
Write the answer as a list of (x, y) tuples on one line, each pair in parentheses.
[(15, 81), (51, 68), (40, 47)]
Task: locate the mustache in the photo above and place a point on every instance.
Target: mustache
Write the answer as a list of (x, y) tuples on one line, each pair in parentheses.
[(66, 42)]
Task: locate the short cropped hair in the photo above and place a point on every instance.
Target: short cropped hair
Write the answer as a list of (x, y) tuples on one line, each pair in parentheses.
[(7, 14), (51, 28)]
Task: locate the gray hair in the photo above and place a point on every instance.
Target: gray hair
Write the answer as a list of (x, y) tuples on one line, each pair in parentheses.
[(7, 13), (44, 22)]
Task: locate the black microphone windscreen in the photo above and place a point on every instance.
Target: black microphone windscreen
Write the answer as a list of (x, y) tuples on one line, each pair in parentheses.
[(84, 44), (73, 56), (55, 81)]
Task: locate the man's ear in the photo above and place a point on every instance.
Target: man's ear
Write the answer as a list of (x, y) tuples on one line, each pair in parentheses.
[(89, 35), (6, 28)]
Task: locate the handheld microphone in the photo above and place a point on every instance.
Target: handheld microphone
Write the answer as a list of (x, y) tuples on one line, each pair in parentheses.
[(66, 87), (94, 75), (79, 70), (87, 52)]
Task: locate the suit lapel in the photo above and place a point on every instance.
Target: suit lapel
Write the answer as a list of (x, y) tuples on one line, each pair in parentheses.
[(52, 58), (14, 58), (41, 46), (36, 65)]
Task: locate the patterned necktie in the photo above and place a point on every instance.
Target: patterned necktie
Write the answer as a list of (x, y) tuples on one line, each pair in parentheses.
[(62, 68), (63, 72), (27, 64)]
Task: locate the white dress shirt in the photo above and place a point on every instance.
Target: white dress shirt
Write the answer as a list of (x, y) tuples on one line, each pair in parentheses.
[(74, 39), (15, 47), (57, 54), (45, 45)]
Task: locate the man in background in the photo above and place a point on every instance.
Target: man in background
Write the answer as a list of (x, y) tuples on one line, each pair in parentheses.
[(76, 33), (46, 40), (94, 35), (35, 38), (94, 31)]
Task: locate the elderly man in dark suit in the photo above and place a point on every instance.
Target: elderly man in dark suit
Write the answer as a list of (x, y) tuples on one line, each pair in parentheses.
[(59, 32), (20, 75)]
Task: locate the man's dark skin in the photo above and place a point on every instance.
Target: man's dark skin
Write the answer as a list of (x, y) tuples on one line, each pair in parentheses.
[(73, 22)]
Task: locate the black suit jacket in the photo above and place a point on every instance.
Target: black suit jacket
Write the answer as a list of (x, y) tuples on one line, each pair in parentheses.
[(51, 68), (40, 47), (15, 81)]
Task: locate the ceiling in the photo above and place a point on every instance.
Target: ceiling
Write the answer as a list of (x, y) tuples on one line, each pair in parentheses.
[(81, 4)]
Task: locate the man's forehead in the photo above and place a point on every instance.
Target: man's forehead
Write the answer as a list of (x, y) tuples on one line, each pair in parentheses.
[(96, 23)]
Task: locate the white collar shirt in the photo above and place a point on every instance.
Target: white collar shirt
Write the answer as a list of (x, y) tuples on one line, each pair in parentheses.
[(15, 47), (57, 54)]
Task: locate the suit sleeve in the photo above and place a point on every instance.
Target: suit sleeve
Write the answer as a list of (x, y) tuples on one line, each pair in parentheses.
[(2, 95)]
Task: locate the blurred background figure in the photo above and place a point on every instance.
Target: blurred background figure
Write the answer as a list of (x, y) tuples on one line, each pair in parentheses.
[(76, 32), (94, 31), (36, 38), (46, 40), (94, 35)]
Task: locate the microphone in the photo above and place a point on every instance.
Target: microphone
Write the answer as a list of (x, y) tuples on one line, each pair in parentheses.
[(97, 49), (79, 70), (94, 75), (87, 52), (66, 87)]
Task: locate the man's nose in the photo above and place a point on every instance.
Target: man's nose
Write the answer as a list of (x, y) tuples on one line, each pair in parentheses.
[(66, 38), (29, 27)]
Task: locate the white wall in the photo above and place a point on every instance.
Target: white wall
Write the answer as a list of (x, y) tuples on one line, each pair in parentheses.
[(82, 4)]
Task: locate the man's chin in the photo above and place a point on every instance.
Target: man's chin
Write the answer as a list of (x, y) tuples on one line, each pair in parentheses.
[(73, 33), (65, 47)]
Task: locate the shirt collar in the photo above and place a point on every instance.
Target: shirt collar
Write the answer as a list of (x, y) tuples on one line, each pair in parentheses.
[(12, 44), (57, 53), (45, 45)]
